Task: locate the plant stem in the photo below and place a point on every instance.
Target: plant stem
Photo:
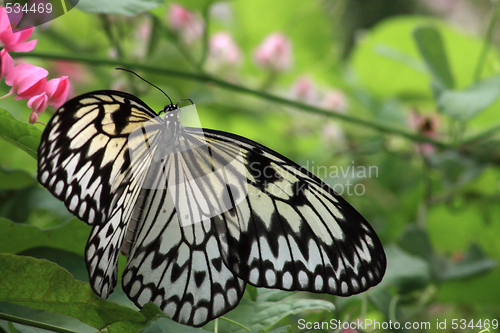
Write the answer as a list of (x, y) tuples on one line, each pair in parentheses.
[(205, 78), (483, 135), (32, 323), (206, 18), (487, 40), (235, 323)]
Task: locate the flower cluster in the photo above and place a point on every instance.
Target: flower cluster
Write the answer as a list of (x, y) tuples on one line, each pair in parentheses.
[(28, 81), (274, 55)]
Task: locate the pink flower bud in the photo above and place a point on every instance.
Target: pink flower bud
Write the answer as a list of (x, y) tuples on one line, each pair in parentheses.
[(27, 81), (304, 90), (6, 64), (335, 100), (14, 41), (426, 125), (179, 17), (275, 53), (223, 51), (189, 26), (38, 103), (57, 91), (33, 117)]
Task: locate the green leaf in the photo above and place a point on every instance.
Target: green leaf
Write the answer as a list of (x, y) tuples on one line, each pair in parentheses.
[(405, 271), (384, 77), (19, 133), (72, 262), (26, 201), (465, 104), (258, 316), (15, 179), (199, 5), (123, 7), (71, 236), (382, 299), (474, 263), (415, 241), (401, 57), (431, 47), (41, 284), (163, 324)]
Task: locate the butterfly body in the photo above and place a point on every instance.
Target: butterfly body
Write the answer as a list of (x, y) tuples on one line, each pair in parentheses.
[(199, 212)]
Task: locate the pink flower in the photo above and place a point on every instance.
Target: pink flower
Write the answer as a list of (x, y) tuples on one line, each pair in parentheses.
[(335, 100), (304, 90), (426, 125), (189, 26), (6, 64), (14, 41), (38, 103), (443, 6), (223, 51), (275, 53), (27, 81), (33, 117), (333, 133), (57, 91)]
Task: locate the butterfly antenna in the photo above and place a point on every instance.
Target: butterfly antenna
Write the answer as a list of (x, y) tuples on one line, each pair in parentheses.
[(143, 79)]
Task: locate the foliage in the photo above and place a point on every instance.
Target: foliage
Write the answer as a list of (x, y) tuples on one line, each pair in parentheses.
[(422, 111)]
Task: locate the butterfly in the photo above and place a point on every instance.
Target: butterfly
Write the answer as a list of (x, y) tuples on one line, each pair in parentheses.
[(199, 212)]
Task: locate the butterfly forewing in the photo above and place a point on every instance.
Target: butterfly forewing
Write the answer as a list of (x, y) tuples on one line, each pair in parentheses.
[(292, 231), (85, 162), (83, 158)]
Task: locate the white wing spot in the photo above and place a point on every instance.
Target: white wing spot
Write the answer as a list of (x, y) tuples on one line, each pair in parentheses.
[(332, 284), (344, 288), (219, 304), (369, 241), (45, 176), (363, 282), (170, 308), (135, 288), (287, 280), (145, 296), (200, 315), (355, 284), (254, 275), (73, 203), (59, 187), (270, 278), (303, 279), (318, 283), (232, 296), (185, 312), (83, 207)]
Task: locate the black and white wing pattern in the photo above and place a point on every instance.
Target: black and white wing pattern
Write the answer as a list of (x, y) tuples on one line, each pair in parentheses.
[(199, 212), (83, 160)]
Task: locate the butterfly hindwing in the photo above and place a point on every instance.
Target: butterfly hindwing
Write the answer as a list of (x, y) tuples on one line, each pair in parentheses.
[(178, 266)]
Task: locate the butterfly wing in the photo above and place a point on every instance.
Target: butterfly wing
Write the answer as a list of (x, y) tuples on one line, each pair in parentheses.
[(211, 218), (175, 262), (292, 231), (84, 160)]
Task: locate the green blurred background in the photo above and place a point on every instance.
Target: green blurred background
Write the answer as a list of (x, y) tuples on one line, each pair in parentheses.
[(434, 201)]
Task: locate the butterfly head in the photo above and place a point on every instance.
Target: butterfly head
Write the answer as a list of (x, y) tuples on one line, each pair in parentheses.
[(171, 111)]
